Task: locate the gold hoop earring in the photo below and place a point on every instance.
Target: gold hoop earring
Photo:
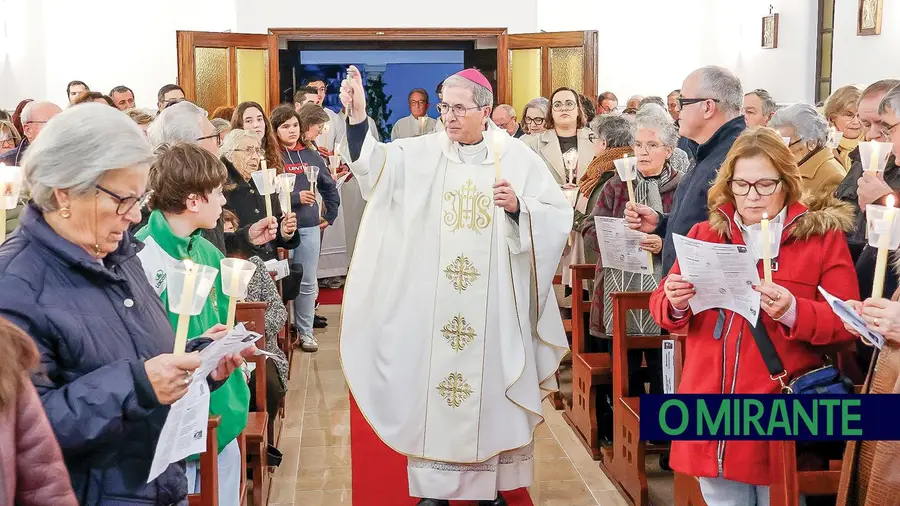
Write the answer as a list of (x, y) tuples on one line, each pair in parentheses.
[(65, 213)]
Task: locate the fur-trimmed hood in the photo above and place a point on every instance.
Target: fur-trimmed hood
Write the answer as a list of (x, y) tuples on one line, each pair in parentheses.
[(813, 215)]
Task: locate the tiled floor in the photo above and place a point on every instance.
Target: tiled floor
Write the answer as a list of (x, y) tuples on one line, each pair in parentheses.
[(315, 440)]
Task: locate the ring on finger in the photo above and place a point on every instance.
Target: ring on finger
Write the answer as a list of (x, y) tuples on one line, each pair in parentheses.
[(770, 302), (777, 295)]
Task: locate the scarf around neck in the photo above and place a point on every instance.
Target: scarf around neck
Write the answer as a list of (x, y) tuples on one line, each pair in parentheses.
[(599, 165)]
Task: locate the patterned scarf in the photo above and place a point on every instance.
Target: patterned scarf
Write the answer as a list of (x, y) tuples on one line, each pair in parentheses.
[(646, 190), (600, 165)]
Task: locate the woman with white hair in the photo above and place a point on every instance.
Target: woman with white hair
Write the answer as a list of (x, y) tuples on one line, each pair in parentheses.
[(808, 132), (72, 280), (241, 153), (534, 116), (658, 176)]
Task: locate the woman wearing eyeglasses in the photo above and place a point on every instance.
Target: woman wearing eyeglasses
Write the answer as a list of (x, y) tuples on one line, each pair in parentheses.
[(535, 115), (807, 133), (71, 279), (250, 116), (565, 133), (841, 112), (565, 130), (759, 177), (241, 153)]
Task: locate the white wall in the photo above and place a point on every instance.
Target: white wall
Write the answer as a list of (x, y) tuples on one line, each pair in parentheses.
[(108, 43), (51, 42), (864, 60), (256, 16), (649, 46)]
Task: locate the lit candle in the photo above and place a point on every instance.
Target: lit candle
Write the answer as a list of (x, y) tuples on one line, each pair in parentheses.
[(184, 309), (873, 160), (766, 248), (422, 121), (232, 299), (884, 244)]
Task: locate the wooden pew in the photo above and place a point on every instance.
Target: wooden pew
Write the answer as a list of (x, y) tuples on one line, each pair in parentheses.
[(256, 434), (626, 465), (589, 370), (556, 398), (789, 482), (209, 468)]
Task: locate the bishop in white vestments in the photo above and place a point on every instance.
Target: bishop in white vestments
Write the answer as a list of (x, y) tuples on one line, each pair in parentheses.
[(451, 336)]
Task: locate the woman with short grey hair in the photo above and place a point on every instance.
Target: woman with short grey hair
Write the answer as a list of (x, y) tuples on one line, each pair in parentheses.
[(534, 116), (70, 278), (806, 132), (654, 185)]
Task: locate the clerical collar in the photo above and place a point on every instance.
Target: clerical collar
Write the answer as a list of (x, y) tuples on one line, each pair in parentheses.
[(472, 144)]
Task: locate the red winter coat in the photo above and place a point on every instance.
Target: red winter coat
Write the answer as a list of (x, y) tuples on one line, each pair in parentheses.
[(32, 472), (813, 253)]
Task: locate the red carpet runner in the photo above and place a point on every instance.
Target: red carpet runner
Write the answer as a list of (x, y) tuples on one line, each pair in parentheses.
[(379, 473)]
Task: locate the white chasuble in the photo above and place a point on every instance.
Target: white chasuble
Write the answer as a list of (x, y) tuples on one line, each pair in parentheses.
[(450, 336)]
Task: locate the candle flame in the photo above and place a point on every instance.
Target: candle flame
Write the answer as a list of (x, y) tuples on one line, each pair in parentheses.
[(188, 264), (889, 202), (765, 215)]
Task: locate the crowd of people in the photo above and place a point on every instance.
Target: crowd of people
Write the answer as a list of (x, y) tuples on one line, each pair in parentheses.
[(114, 194)]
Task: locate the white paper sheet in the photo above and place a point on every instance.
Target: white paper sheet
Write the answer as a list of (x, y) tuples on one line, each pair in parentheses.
[(846, 313), (184, 433), (723, 275), (281, 268), (620, 246)]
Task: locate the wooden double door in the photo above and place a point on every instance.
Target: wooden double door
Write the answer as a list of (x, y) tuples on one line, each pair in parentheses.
[(216, 69)]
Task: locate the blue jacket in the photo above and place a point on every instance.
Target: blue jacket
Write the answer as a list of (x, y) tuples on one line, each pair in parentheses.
[(690, 206), (95, 326)]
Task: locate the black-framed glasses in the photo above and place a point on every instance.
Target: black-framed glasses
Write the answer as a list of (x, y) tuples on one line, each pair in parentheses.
[(534, 121), (567, 105), (457, 110), (688, 101), (126, 204), (763, 187), (216, 135)]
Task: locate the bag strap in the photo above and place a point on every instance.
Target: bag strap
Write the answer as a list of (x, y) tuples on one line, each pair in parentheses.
[(769, 354)]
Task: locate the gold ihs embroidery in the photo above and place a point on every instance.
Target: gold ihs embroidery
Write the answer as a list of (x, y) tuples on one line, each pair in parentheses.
[(467, 208), (461, 273), (458, 333), (455, 390)]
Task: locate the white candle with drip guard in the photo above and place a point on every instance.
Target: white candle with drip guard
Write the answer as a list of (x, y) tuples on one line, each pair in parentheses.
[(766, 248), (884, 244), (184, 308)]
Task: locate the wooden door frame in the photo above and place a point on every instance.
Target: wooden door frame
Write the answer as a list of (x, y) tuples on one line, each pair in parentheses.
[(398, 34), (225, 40), (587, 39)]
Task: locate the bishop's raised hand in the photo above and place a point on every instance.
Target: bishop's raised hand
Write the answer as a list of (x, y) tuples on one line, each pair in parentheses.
[(353, 96)]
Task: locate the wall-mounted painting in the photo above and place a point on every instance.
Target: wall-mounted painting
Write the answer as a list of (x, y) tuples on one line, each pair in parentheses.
[(770, 31), (869, 21)]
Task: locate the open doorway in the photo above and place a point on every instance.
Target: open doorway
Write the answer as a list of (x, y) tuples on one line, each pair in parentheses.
[(217, 69), (389, 71)]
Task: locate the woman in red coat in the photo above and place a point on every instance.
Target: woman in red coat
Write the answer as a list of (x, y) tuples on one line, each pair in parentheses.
[(759, 175)]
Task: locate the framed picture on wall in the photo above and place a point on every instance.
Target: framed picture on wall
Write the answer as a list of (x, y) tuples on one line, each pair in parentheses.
[(869, 20), (770, 31)]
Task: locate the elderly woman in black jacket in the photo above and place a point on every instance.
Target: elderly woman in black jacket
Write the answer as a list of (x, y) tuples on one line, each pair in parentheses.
[(71, 279), (241, 154)]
